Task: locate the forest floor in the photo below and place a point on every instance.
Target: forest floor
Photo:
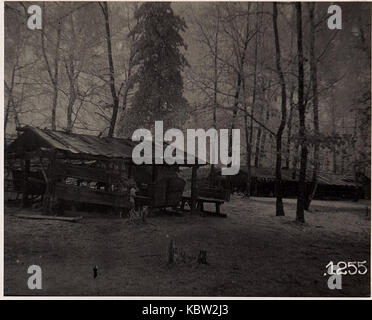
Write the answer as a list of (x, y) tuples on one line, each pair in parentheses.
[(249, 253)]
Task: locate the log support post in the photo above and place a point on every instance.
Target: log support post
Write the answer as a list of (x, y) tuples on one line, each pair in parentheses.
[(26, 173), (49, 198), (194, 195)]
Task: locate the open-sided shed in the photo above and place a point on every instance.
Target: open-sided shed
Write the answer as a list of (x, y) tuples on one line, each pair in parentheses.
[(87, 169), (330, 185)]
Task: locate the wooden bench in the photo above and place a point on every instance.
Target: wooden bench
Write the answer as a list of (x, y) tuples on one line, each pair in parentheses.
[(200, 200)]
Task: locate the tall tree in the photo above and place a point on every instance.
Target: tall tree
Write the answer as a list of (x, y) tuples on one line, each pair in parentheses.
[(212, 42), (53, 71), (301, 197), (157, 53), (249, 133), (72, 75), (13, 54), (128, 73), (114, 92), (278, 167), (289, 128), (314, 88), (240, 45)]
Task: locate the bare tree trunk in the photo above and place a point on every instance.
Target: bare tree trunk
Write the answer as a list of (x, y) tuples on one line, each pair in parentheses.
[(343, 150), (295, 159), (289, 128), (261, 141), (278, 167), (70, 106), (215, 66), (56, 71), (128, 84), (235, 107), (11, 105), (115, 97), (250, 139), (71, 103), (215, 88), (240, 73), (9, 90), (333, 146), (300, 216), (6, 115), (258, 148), (128, 87), (248, 144), (314, 82), (72, 76), (53, 75), (70, 71)]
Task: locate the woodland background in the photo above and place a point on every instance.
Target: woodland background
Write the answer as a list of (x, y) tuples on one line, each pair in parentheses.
[(110, 68)]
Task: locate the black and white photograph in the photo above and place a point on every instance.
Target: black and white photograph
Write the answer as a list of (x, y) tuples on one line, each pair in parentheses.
[(187, 149)]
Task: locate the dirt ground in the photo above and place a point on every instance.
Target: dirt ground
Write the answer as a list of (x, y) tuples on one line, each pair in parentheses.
[(250, 253)]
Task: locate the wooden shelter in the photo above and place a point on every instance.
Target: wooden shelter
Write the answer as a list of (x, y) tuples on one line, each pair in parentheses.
[(330, 185), (70, 167)]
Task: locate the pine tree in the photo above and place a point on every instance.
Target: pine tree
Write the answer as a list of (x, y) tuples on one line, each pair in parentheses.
[(160, 62)]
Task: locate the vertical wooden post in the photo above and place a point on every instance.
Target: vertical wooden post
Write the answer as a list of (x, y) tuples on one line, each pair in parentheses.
[(193, 189), (109, 171), (26, 172), (48, 178), (49, 198)]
